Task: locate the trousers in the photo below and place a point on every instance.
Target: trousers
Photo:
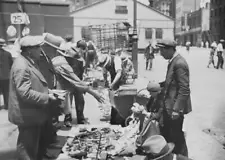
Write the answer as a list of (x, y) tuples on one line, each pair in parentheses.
[(31, 142), (172, 131), (4, 88)]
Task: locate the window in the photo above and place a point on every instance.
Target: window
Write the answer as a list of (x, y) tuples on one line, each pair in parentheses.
[(158, 33), (148, 33), (121, 10)]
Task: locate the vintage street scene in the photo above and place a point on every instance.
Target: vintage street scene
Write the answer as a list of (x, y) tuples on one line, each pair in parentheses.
[(112, 80)]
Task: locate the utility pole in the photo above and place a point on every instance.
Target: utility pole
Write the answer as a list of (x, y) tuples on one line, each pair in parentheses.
[(20, 9), (135, 39)]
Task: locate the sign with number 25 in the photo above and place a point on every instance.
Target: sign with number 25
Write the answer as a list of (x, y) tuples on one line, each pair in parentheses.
[(19, 18)]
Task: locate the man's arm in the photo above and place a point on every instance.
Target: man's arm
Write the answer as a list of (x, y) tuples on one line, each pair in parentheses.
[(182, 80)]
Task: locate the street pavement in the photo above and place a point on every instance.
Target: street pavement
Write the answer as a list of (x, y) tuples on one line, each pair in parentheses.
[(208, 101)]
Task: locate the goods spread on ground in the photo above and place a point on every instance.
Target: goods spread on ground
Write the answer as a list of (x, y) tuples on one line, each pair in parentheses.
[(100, 141)]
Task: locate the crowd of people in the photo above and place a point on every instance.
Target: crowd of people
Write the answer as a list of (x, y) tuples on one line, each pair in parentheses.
[(40, 83)]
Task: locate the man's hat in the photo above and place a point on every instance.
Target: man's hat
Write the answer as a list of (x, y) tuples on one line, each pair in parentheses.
[(153, 87), (103, 60), (12, 40), (125, 54), (31, 41), (166, 43), (67, 49), (157, 148), (2, 42), (81, 44), (222, 40)]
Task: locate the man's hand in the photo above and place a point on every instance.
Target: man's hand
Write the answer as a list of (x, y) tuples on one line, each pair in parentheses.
[(175, 115), (98, 97), (52, 97)]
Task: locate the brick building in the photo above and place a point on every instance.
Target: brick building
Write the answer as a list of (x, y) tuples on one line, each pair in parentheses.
[(217, 19), (44, 15)]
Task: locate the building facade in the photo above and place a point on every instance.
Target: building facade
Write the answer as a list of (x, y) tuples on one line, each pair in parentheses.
[(183, 10), (217, 20), (167, 7), (45, 16), (151, 24)]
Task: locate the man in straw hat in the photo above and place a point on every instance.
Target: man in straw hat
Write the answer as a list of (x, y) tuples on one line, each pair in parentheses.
[(176, 96), (68, 80), (29, 98), (77, 63), (5, 66)]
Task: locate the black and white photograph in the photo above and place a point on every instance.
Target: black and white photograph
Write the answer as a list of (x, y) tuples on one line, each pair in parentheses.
[(112, 80)]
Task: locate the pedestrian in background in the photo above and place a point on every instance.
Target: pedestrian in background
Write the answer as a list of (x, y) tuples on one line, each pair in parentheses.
[(211, 56), (219, 51), (177, 98), (5, 66), (149, 56), (29, 99)]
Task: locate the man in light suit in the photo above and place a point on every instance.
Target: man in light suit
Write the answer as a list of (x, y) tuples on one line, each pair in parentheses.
[(29, 99), (177, 99)]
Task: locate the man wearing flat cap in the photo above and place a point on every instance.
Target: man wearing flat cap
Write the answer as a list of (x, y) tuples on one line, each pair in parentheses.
[(29, 98), (177, 99), (5, 66)]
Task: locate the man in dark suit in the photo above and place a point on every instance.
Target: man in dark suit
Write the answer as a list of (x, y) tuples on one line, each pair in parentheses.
[(176, 96), (5, 66), (29, 98)]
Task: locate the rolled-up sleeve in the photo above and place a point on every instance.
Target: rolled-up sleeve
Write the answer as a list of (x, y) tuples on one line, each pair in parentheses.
[(118, 63), (21, 78)]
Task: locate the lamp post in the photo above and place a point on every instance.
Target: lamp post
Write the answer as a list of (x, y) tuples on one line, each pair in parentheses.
[(135, 39)]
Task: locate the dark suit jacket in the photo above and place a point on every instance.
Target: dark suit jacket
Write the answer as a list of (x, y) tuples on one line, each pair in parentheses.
[(177, 90), (28, 94), (5, 64)]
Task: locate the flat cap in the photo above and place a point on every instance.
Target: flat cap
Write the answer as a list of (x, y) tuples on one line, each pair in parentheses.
[(2, 41), (166, 43), (31, 41)]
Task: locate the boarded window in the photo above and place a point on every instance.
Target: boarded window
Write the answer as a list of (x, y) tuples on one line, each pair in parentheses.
[(158, 33), (148, 33)]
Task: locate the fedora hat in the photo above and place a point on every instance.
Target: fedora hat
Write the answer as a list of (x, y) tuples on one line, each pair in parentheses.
[(157, 148)]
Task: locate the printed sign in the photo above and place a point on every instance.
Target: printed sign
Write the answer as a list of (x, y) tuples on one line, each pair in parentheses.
[(19, 18)]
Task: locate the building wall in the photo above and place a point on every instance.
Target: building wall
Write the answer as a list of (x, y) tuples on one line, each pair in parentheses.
[(217, 19), (145, 19), (46, 17)]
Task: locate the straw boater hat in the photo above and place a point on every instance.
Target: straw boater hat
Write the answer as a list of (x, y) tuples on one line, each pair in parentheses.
[(103, 60), (157, 148)]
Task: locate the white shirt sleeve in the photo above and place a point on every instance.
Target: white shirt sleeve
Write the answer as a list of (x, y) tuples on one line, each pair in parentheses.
[(118, 63)]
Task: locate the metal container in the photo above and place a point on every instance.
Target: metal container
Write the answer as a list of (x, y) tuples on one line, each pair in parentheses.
[(123, 99)]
